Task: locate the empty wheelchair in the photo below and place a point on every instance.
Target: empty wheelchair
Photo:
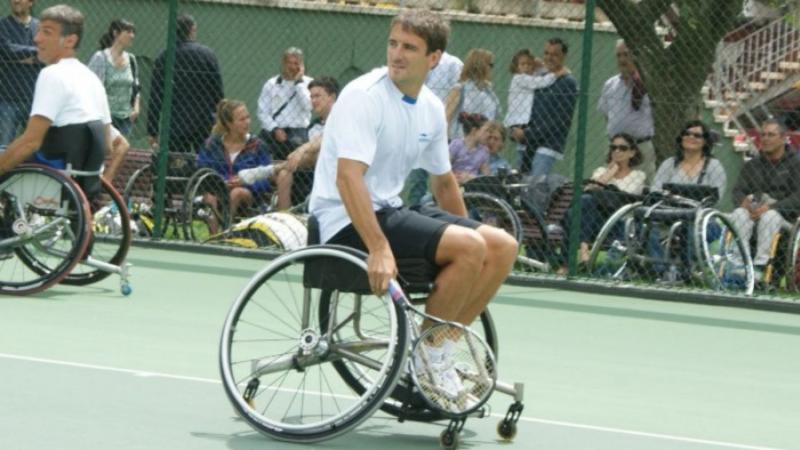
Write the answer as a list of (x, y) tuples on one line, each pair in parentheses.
[(308, 352), (46, 234), (673, 238)]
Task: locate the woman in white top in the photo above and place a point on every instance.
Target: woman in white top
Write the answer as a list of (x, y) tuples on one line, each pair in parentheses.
[(473, 93), (599, 199), (117, 69)]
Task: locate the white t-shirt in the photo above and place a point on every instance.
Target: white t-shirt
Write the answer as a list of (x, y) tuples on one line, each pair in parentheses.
[(68, 93), (445, 75), (373, 122)]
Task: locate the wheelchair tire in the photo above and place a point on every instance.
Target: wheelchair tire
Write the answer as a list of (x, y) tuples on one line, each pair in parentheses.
[(205, 181), (110, 245), (609, 252), (404, 402), (49, 255), (793, 259), (722, 254), (275, 355), (491, 210)]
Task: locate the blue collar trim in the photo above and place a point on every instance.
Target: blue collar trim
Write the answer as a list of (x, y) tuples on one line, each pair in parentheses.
[(409, 100)]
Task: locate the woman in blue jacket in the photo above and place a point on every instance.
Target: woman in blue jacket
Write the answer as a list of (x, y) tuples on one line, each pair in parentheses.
[(231, 148)]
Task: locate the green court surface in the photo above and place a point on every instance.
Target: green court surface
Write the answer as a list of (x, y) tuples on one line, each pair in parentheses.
[(85, 368)]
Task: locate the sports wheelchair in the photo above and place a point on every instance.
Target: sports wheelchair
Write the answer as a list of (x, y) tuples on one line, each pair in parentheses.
[(51, 233), (308, 352), (675, 236), (503, 201)]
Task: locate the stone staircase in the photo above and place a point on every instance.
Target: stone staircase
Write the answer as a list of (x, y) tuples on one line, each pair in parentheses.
[(752, 68)]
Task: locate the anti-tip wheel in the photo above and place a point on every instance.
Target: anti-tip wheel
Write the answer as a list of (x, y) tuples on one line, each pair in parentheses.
[(507, 430), (126, 289), (448, 440)]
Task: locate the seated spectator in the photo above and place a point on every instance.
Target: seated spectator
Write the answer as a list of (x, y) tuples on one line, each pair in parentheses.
[(692, 164), (494, 136), (767, 192), (601, 195), (473, 93), (231, 148), (296, 176), (469, 156)]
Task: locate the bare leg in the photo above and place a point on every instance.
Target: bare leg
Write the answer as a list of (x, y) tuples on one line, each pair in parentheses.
[(118, 150), (501, 252), (284, 181), (240, 197), (213, 223)]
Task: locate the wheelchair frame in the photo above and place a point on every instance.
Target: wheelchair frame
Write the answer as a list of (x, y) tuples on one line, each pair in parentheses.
[(365, 339)]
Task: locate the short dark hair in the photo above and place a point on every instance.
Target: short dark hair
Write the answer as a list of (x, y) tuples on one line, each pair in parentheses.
[(637, 158), (777, 122), (329, 84), (522, 53), (184, 27), (426, 24), (71, 20), (560, 42), (116, 26)]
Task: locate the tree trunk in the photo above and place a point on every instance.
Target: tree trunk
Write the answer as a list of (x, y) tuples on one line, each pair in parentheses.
[(673, 72)]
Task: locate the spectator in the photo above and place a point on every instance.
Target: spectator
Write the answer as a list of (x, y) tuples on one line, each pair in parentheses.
[(284, 106), (551, 114), (196, 91), (19, 68), (473, 93), (767, 191), (296, 176), (625, 104), (692, 163), (494, 138), (231, 148), (469, 156), (118, 71), (602, 195), (440, 80)]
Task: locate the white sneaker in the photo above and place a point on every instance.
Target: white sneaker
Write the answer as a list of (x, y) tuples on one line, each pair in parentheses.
[(439, 374)]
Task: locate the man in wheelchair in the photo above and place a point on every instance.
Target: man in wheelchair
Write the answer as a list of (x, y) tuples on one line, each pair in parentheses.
[(767, 192), (385, 124), (70, 119)]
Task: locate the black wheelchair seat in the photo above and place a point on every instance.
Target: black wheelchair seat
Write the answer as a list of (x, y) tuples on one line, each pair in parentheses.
[(417, 275), (83, 147)]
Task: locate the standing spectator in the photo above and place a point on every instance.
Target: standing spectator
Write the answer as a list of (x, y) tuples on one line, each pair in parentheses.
[(551, 114), (295, 178), (625, 104), (767, 192), (19, 68), (196, 91), (473, 93), (232, 148), (440, 80), (118, 71), (444, 76), (284, 106)]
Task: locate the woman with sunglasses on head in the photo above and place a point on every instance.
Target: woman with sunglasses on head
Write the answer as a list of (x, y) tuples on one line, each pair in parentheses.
[(692, 163), (606, 191)]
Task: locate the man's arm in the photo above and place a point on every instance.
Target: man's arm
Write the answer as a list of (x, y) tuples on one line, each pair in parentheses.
[(447, 193), (265, 108), (24, 146), (381, 266), (743, 187), (156, 91)]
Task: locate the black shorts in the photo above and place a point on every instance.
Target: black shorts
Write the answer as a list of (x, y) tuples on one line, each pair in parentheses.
[(413, 232)]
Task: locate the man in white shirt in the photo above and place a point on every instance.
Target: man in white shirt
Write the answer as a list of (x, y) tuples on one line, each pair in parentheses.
[(284, 106), (625, 104), (440, 80), (383, 125), (70, 118)]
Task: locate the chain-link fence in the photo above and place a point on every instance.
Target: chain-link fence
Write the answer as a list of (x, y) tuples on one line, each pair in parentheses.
[(631, 143)]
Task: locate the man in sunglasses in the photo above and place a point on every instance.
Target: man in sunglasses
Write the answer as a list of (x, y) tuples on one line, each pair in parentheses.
[(767, 192)]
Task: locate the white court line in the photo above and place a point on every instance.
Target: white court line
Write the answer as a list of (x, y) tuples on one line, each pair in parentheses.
[(143, 373)]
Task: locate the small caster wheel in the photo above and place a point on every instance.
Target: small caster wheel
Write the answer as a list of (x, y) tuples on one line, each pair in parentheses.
[(126, 289), (507, 430), (448, 440)]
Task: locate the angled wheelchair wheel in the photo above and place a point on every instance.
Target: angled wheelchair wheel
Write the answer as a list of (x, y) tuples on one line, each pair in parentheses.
[(277, 351), (723, 256), (200, 217), (494, 211), (614, 251), (111, 226), (793, 259), (404, 402), (44, 228)]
